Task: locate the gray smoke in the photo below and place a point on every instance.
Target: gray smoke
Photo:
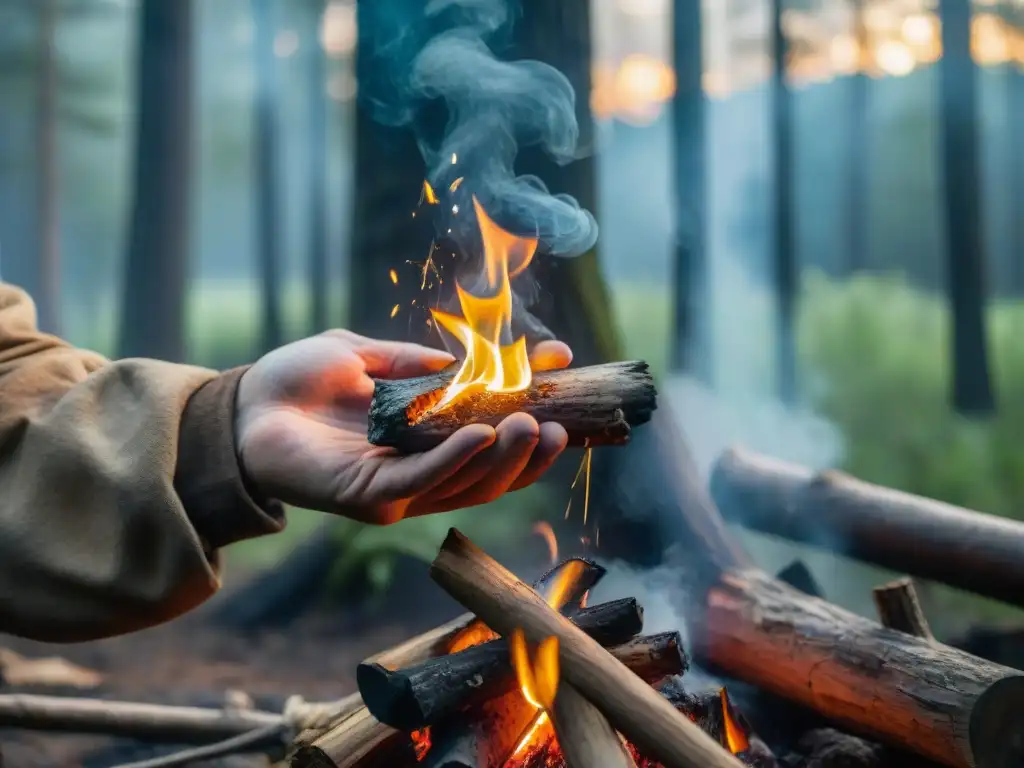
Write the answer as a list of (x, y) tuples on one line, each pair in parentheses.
[(494, 108)]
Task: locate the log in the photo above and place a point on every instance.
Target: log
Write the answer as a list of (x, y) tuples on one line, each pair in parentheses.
[(597, 405), (358, 741), (899, 608), (928, 539), (484, 736), (584, 735), (938, 702), (632, 707), (427, 693)]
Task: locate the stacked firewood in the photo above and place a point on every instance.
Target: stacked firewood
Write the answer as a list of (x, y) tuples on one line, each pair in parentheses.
[(452, 697)]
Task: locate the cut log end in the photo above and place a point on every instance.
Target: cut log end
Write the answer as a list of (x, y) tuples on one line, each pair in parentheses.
[(597, 405)]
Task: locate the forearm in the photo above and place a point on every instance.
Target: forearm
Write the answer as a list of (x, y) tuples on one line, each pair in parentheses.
[(117, 485)]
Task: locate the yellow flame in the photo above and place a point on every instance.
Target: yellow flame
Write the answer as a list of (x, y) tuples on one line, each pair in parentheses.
[(545, 531), (566, 578), (488, 364), (538, 678)]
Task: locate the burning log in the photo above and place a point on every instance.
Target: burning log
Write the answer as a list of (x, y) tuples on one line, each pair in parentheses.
[(426, 693), (925, 538), (953, 708), (597, 405), (899, 608), (630, 704)]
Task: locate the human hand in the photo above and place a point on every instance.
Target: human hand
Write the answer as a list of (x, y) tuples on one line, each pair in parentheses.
[(301, 420)]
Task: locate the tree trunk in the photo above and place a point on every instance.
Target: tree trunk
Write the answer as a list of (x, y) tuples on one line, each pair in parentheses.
[(965, 279), (266, 179), (158, 250), (48, 296), (691, 350), (317, 155), (784, 257), (1015, 122), (859, 155)]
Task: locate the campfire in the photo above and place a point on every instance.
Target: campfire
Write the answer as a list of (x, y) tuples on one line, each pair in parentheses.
[(462, 696)]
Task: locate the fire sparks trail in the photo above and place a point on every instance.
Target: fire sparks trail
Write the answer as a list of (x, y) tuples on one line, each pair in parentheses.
[(585, 465), (489, 364), (455, 184), (394, 311), (393, 275), (545, 531)]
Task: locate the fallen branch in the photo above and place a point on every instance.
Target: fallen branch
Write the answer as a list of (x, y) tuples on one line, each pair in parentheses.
[(630, 704), (144, 722), (429, 692), (925, 538), (597, 405), (941, 703)]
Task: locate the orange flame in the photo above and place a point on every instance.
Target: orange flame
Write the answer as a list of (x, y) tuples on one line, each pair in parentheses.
[(538, 682), (489, 365), (735, 737), (545, 531), (428, 193), (563, 582)]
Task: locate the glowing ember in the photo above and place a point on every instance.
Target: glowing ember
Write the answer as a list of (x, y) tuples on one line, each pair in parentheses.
[(477, 632), (558, 593), (735, 737), (455, 184), (393, 275), (421, 743), (394, 310), (428, 193), (489, 364), (545, 531)]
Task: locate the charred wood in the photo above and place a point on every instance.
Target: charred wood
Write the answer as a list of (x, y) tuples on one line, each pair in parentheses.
[(597, 405)]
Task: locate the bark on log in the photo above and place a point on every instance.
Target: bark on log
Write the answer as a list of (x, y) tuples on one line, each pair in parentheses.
[(899, 608), (427, 693), (631, 705), (597, 405), (358, 741), (584, 735), (936, 701), (925, 538)]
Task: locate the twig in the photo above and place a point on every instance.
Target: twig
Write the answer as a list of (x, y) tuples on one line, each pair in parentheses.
[(251, 741)]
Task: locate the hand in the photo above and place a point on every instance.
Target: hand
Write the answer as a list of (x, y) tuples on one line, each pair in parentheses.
[(300, 426)]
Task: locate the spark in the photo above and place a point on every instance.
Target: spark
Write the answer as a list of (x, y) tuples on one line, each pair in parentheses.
[(393, 275), (455, 208), (455, 184), (586, 492), (584, 465), (428, 193), (394, 310), (455, 158)]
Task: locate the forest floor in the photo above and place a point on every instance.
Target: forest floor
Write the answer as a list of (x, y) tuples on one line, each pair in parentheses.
[(193, 661)]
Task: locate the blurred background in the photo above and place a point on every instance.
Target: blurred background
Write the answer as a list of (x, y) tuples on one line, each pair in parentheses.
[(809, 213)]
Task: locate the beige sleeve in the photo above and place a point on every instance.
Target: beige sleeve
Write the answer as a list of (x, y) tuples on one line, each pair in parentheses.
[(118, 483)]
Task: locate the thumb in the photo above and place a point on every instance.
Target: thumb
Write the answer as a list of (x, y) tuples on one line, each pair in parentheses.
[(399, 359)]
